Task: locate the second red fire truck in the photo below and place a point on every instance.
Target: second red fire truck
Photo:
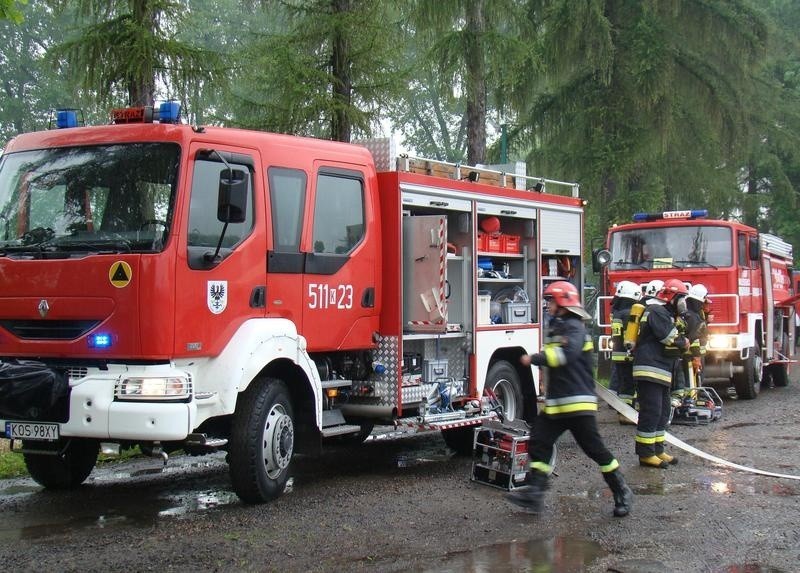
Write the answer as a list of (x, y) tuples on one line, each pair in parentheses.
[(748, 277)]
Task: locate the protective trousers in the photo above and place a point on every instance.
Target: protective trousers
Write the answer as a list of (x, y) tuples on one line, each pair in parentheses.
[(654, 409), (547, 430), (627, 386)]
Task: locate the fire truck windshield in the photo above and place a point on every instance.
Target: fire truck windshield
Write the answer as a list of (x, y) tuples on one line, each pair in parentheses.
[(109, 198), (671, 247)]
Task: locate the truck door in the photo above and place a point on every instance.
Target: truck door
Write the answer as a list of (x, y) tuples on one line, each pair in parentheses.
[(216, 294), (341, 261)]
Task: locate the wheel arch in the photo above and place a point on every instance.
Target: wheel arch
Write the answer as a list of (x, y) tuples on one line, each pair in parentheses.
[(511, 355)]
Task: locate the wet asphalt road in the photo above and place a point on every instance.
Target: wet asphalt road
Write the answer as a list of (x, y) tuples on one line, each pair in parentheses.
[(409, 505)]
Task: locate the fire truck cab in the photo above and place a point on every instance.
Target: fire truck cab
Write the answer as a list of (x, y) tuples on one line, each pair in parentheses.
[(174, 286), (748, 277)]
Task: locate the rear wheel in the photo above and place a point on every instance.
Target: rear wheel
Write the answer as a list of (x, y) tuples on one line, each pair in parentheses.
[(778, 375), (262, 441), (748, 382), (503, 380), (62, 465)]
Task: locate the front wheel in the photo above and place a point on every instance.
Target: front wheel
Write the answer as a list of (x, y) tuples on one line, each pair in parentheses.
[(64, 464), (748, 383), (262, 441)]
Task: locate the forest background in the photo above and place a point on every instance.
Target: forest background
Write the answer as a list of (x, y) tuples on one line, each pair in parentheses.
[(649, 104)]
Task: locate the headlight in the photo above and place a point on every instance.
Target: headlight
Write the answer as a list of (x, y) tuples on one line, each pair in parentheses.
[(140, 388), (722, 342)]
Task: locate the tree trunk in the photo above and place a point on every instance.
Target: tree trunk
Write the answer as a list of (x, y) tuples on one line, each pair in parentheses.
[(475, 83), (141, 88), (342, 80)]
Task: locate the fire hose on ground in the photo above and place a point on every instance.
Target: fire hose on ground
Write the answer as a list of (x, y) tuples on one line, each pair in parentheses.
[(612, 400)]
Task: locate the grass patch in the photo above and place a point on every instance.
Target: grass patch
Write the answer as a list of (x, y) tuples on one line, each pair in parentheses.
[(11, 464)]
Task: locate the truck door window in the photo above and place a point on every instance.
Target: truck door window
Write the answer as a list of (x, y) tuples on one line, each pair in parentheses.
[(204, 227), (742, 240), (338, 214), (287, 195)]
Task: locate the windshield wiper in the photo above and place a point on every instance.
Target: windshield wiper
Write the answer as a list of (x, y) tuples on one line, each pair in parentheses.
[(630, 264), (119, 245), (698, 263)]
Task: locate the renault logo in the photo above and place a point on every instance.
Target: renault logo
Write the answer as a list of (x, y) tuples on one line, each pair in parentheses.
[(44, 308)]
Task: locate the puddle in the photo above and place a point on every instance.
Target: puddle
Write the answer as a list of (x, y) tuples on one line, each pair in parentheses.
[(557, 555), (410, 460), (749, 568), (21, 489), (707, 485), (741, 425)]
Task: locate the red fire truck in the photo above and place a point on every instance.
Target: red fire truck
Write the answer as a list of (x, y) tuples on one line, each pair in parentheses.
[(748, 277), (174, 286)]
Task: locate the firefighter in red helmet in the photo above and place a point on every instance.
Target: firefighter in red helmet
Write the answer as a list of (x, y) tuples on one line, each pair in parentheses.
[(570, 402), (660, 345)]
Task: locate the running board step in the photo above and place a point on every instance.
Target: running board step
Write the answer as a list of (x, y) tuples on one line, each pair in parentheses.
[(340, 430), (201, 440)]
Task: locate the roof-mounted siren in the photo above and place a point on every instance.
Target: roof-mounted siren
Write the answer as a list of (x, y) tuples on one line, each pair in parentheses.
[(687, 214), (166, 112), (66, 117)]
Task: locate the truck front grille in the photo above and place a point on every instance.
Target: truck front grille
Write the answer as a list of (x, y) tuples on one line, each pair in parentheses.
[(49, 329)]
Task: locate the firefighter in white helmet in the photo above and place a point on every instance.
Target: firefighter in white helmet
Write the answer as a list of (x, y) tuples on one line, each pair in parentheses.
[(653, 366), (570, 402), (626, 295), (651, 290), (697, 302)]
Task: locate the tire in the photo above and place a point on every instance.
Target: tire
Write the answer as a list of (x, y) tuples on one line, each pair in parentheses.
[(503, 380), (65, 471), (460, 439), (778, 375), (748, 383), (262, 441)]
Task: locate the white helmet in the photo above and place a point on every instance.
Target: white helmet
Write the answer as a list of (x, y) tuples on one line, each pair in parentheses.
[(698, 292), (628, 289), (653, 287)]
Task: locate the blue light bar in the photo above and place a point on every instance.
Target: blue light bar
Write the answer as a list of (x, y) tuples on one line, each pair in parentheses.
[(100, 340), (66, 118), (687, 214), (169, 112)]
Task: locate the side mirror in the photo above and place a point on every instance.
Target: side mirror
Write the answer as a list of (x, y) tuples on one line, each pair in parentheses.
[(600, 258), (752, 248), (232, 198)]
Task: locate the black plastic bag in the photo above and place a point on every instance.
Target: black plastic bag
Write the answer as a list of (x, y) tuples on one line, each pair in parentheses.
[(31, 391)]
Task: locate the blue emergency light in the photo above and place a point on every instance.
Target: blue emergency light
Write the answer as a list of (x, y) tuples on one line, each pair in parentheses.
[(169, 112), (66, 118), (99, 340), (687, 214)]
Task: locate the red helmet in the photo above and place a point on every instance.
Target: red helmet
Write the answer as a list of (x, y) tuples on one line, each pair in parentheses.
[(566, 295), (490, 225), (671, 289)]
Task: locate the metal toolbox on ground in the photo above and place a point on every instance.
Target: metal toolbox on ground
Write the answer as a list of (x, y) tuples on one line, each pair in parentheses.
[(500, 455)]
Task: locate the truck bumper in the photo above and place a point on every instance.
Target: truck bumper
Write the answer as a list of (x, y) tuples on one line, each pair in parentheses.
[(96, 412)]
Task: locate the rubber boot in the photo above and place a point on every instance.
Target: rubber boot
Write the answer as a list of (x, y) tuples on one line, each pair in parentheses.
[(530, 498), (623, 496), (671, 460), (653, 462)]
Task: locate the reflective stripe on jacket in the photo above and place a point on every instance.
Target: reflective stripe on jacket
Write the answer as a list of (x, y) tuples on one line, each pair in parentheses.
[(567, 354)]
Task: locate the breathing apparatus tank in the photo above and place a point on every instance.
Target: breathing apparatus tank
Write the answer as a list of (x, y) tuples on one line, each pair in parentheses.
[(631, 335)]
